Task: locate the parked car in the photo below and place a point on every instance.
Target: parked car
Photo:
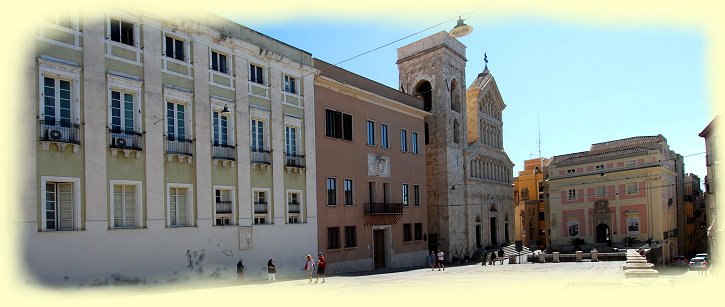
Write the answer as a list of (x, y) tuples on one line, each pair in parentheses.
[(680, 261), (707, 258), (698, 263)]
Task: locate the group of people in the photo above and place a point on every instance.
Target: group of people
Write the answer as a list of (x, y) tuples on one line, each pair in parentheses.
[(492, 258), (437, 259), (309, 268)]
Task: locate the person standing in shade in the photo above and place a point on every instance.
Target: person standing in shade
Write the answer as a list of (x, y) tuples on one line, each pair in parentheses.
[(484, 257), (240, 269), (309, 267), (432, 260), (321, 264), (492, 259), (271, 270), (441, 258), (500, 255)]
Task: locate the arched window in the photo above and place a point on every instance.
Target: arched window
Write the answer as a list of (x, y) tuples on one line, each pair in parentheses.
[(455, 131), (455, 96)]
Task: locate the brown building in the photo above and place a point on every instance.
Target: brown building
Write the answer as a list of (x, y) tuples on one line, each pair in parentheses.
[(371, 173), (530, 207)]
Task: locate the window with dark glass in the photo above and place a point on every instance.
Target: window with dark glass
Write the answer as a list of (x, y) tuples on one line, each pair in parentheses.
[(219, 62), (256, 74), (331, 191), (418, 231), (338, 125), (121, 31), (333, 237), (407, 233), (416, 195), (350, 236), (371, 133), (174, 48), (348, 191)]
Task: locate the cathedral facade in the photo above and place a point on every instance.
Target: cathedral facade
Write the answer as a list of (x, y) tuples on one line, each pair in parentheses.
[(468, 174)]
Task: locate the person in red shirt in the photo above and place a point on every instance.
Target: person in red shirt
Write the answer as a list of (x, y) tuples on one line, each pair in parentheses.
[(321, 267)]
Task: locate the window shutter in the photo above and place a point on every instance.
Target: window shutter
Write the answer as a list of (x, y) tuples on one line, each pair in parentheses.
[(347, 126)]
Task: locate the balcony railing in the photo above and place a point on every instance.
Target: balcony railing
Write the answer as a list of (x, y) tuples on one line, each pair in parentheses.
[(178, 146), (260, 207), (224, 207), (293, 207), (383, 208), (59, 131), (294, 160), (124, 139), (223, 152), (259, 155)]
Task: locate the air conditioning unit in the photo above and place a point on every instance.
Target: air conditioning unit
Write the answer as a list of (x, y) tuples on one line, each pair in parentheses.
[(120, 142), (55, 134)]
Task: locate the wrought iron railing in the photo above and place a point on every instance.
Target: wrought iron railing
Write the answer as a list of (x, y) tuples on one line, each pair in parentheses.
[(178, 146), (224, 207), (59, 131), (293, 207), (124, 139), (294, 160), (260, 207), (383, 208), (259, 155), (223, 152)]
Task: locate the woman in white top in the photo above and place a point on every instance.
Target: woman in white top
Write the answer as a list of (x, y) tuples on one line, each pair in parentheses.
[(309, 267)]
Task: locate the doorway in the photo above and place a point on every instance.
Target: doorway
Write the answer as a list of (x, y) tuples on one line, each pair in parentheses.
[(478, 235), (602, 233), (494, 235), (379, 248)]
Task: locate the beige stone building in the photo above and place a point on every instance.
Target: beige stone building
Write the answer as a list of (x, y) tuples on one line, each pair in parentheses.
[(530, 204), (713, 187), (468, 175), (371, 173)]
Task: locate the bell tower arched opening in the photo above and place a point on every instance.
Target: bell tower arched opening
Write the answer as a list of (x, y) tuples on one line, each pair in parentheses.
[(424, 90)]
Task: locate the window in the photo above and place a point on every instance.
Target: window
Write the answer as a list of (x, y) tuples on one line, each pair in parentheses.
[(223, 206), (174, 48), (418, 231), (331, 191), (632, 188), (256, 74), (525, 194), (350, 236), (220, 129), (416, 195), (338, 125), (290, 84), (293, 207), (122, 31), (179, 202), (257, 134), (601, 191), (599, 167), (290, 140), (403, 140), (407, 233), (371, 133), (125, 203), (57, 100), (124, 112), (175, 121), (60, 203), (219, 62), (333, 237), (414, 142), (371, 192), (572, 194), (384, 136), (405, 194), (630, 163), (571, 171), (541, 216), (347, 187), (541, 190), (261, 207)]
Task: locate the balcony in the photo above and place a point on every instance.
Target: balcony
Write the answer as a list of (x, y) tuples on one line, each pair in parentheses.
[(62, 133), (223, 152), (383, 208), (223, 207), (260, 208), (259, 155), (178, 146), (294, 160), (293, 208)]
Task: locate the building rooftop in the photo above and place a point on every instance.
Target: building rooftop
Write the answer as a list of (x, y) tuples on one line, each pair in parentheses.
[(612, 149)]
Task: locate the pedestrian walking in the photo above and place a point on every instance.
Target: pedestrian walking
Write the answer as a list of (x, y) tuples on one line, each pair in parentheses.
[(501, 255), (484, 257), (240, 269), (492, 259), (321, 264), (432, 260), (309, 267), (441, 258), (271, 270)]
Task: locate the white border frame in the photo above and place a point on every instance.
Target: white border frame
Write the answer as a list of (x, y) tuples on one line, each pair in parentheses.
[(57, 70), (138, 204), (76, 181), (270, 206), (300, 198), (190, 205), (232, 197), (129, 86), (136, 48), (265, 79), (262, 115)]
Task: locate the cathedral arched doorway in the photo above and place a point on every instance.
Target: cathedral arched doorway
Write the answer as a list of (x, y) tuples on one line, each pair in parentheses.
[(602, 233)]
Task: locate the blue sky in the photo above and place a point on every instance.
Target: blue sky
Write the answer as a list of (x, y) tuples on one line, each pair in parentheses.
[(586, 83)]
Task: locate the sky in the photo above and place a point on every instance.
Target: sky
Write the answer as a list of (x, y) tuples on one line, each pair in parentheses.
[(578, 83)]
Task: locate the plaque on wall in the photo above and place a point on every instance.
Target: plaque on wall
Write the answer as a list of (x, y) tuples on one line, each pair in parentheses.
[(378, 166), (245, 237)]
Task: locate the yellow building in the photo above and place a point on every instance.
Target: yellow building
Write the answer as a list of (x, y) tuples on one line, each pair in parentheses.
[(530, 208)]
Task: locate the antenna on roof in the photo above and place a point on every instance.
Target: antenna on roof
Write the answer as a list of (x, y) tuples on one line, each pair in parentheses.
[(538, 122)]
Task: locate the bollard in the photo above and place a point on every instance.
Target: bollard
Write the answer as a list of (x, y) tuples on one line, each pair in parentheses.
[(512, 259), (556, 257), (541, 258), (595, 255), (578, 256)]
